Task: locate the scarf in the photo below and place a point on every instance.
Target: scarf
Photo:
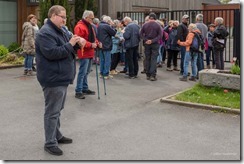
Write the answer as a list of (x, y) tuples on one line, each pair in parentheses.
[(91, 37)]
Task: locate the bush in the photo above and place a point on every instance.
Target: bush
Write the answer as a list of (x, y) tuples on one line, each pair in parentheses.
[(13, 47), (3, 51), (235, 69)]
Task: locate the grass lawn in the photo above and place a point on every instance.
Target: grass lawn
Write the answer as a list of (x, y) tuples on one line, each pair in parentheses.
[(211, 96)]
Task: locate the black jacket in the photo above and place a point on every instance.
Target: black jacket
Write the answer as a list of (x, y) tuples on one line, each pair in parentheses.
[(55, 57), (104, 35), (131, 35), (182, 32)]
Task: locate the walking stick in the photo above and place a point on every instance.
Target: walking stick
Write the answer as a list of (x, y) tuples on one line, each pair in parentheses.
[(98, 92), (104, 83)]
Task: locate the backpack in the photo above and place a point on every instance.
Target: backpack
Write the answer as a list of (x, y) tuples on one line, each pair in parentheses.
[(197, 44)]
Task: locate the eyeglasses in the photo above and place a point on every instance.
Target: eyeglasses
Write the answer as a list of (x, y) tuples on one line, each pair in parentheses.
[(63, 17), (91, 18)]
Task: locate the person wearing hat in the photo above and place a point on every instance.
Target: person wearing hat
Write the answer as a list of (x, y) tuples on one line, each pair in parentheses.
[(209, 48), (151, 33), (182, 32)]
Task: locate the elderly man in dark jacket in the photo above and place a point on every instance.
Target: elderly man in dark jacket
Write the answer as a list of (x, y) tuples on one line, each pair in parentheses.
[(55, 60), (132, 39), (151, 33), (104, 35)]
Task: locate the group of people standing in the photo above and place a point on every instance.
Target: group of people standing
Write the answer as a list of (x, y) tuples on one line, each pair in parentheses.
[(56, 48)]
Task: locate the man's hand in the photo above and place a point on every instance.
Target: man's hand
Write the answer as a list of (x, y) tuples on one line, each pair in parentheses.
[(94, 45), (74, 40), (100, 45), (82, 42), (148, 42)]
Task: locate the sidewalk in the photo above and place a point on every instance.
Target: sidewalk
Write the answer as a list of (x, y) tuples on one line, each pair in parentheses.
[(126, 124)]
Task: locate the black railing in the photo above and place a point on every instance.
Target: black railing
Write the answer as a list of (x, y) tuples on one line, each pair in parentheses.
[(231, 18)]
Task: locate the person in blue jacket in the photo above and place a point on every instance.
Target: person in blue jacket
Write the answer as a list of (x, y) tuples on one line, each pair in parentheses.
[(55, 60)]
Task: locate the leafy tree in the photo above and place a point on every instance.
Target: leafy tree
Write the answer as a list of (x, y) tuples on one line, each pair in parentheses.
[(44, 6), (81, 6)]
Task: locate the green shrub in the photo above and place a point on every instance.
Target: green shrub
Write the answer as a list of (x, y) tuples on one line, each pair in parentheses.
[(3, 51), (13, 47), (235, 69)]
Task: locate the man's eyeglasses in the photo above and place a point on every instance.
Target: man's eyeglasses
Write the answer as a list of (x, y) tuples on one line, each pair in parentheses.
[(91, 18), (63, 17)]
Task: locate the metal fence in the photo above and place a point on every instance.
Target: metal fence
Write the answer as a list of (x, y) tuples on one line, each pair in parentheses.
[(231, 21)]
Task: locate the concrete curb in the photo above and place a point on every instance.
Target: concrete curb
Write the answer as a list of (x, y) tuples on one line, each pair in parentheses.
[(168, 99), (11, 66)]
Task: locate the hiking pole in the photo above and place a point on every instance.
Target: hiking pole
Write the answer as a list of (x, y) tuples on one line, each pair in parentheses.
[(98, 92), (104, 83)]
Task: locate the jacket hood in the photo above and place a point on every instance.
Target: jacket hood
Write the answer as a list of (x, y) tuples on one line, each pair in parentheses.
[(26, 24)]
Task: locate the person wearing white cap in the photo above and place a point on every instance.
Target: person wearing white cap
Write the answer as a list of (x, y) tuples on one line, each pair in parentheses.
[(182, 32)]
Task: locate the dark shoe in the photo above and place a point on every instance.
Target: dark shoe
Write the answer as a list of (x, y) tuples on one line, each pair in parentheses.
[(176, 69), (25, 72), (183, 78), (33, 69), (30, 73), (79, 96), (152, 78), (144, 71), (65, 140), (122, 71), (54, 150), (169, 69), (132, 77), (88, 92), (192, 78), (159, 65)]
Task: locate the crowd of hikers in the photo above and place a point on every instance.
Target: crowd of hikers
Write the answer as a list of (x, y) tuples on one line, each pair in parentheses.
[(108, 43)]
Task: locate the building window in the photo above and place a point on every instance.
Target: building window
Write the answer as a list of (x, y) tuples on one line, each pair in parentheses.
[(8, 22)]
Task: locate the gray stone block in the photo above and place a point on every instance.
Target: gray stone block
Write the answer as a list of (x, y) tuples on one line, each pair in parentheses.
[(215, 77)]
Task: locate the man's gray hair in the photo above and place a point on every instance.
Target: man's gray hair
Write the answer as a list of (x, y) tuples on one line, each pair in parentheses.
[(219, 20), (127, 19), (107, 19), (87, 13), (199, 17), (96, 21)]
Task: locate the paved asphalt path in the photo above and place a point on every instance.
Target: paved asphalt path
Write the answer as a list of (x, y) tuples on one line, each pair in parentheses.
[(129, 123)]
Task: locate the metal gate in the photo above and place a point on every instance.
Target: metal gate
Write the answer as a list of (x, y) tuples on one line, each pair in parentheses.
[(231, 21)]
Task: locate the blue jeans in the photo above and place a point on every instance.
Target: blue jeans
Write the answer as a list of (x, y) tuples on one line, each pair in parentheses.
[(200, 64), (54, 103), (160, 54), (28, 62), (193, 59), (84, 70), (182, 58), (105, 62)]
